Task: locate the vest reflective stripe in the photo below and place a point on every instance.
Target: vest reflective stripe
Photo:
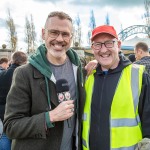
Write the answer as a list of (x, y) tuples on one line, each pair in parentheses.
[(124, 118), (84, 117), (124, 122), (138, 118), (119, 122), (84, 143), (135, 86), (136, 81), (125, 148)]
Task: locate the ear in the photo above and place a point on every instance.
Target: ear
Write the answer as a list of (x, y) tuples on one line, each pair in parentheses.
[(92, 48), (140, 51), (43, 34), (119, 44)]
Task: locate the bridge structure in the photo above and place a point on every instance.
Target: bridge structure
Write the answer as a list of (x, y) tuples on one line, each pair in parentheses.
[(135, 29)]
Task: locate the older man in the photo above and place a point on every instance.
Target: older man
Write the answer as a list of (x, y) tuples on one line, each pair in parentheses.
[(117, 107)]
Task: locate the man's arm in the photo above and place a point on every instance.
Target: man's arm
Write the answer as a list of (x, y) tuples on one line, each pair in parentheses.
[(144, 111), (144, 106)]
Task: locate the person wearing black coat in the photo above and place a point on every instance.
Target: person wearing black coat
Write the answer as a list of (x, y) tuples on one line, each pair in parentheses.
[(18, 58)]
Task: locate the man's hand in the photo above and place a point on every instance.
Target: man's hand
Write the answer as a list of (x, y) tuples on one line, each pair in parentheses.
[(62, 112), (144, 144), (91, 66)]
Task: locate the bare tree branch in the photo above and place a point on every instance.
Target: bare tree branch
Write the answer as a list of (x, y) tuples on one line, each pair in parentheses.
[(11, 31), (147, 15), (30, 35)]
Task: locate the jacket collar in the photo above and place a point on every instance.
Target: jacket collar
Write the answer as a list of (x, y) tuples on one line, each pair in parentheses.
[(37, 74)]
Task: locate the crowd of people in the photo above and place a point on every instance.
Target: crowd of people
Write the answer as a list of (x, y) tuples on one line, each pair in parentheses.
[(108, 109), (18, 58)]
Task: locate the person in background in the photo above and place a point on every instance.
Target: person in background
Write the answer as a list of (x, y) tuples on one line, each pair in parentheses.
[(117, 106), (142, 56), (4, 63), (17, 59), (131, 57), (36, 120)]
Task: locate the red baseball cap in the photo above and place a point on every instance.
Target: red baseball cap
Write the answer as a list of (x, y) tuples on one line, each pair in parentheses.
[(104, 29)]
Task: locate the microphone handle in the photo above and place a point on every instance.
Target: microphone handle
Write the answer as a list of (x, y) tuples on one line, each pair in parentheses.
[(69, 119), (64, 96)]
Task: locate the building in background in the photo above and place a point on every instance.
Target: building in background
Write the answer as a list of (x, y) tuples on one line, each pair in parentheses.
[(4, 52)]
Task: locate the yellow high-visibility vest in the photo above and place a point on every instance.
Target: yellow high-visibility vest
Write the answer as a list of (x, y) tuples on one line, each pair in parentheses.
[(125, 124)]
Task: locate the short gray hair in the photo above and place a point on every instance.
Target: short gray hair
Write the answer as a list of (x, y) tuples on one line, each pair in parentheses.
[(60, 14)]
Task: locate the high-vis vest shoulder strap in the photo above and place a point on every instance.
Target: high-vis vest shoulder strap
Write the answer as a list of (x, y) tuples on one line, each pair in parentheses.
[(124, 118)]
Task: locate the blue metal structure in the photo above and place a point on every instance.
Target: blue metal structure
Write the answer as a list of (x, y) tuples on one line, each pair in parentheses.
[(92, 25), (107, 20), (136, 29)]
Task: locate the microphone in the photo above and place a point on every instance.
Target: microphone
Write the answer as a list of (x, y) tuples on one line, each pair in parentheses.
[(63, 93), (62, 89)]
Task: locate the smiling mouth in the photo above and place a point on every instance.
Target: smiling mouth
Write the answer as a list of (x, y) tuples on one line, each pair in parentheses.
[(56, 44), (105, 55)]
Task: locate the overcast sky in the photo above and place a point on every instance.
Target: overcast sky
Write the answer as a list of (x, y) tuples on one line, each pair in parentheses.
[(125, 12)]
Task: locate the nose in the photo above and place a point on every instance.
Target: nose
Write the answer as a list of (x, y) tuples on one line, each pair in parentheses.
[(60, 37), (103, 48)]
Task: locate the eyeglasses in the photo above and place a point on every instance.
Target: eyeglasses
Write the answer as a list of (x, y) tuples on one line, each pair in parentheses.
[(98, 45), (55, 33)]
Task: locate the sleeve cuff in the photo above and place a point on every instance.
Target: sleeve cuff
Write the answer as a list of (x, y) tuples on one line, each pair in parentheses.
[(48, 122)]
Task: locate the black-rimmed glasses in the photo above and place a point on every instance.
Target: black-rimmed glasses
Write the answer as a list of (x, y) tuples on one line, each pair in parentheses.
[(55, 33), (98, 45)]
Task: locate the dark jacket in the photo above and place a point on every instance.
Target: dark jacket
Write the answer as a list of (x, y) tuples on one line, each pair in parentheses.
[(1, 69), (5, 83), (144, 61), (27, 104), (102, 99)]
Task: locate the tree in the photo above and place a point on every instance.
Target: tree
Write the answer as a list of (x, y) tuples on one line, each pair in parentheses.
[(147, 15), (33, 34), (11, 31), (77, 32), (30, 35)]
